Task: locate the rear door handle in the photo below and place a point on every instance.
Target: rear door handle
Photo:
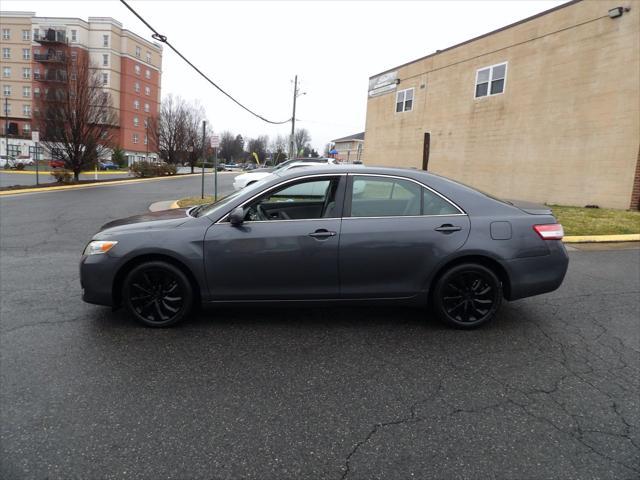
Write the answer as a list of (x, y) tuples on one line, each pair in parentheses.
[(448, 228), (322, 234)]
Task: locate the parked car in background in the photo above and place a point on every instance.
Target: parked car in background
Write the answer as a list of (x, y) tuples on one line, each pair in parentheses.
[(26, 160), (107, 165), (330, 234), (7, 161), (56, 164), (252, 177)]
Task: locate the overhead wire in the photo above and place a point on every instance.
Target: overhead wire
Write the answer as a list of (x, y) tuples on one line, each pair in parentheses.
[(163, 39)]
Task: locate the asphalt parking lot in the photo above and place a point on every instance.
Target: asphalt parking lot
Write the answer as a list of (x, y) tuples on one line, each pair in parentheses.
[(549, 390)]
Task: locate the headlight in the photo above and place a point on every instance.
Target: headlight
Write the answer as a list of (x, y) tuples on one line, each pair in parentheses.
[(99, 246)]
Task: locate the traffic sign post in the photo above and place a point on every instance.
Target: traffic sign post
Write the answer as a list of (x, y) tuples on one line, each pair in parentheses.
[(35, 137), (215, 143)]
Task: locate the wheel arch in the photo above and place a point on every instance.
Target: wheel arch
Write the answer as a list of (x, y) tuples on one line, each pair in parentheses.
[(482, 259), (116, 287)]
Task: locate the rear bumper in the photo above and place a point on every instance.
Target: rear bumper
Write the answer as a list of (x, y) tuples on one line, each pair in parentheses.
[(536, 275), (96, 278)]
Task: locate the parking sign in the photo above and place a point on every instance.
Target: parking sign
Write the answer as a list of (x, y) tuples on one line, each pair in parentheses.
[(215, 141)]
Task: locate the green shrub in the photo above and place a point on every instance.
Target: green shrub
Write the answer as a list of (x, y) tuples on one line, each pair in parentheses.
[(148, 169), (61, 175)]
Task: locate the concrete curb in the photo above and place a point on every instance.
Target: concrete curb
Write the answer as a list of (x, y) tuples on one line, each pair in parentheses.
[(632, 237), (23, 191)]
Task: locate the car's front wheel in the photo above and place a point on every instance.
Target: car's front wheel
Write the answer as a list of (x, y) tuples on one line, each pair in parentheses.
[(157, 294), (467, 295)]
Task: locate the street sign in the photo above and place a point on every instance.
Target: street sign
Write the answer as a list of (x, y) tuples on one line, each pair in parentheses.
[(215, 141), (35, 136)]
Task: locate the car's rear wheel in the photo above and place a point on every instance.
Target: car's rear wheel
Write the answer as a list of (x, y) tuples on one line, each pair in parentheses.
[(467, 295), (157, 294)]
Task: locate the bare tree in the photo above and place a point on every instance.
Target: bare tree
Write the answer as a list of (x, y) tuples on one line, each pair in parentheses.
[(258, 146), (301, 139), (170, 130), (278, 148), (194, 115), (76, 119)]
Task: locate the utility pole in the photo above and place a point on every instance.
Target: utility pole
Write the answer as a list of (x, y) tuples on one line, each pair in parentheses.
[(6, 127), (204, 127), (293, 119)]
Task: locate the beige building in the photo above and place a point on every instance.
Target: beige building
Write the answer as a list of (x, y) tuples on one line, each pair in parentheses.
[(350, 149), (129, 67), (546, 109)]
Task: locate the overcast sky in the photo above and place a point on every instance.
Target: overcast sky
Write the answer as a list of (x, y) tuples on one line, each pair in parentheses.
[(253, 49)]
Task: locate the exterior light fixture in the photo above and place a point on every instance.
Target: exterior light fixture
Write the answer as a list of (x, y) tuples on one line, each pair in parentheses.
[(616, 12)]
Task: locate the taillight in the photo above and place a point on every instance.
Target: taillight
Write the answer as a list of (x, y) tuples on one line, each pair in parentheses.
[(550, 231)]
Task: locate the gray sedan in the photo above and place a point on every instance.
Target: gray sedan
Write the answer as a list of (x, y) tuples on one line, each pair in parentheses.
[(339, 234)]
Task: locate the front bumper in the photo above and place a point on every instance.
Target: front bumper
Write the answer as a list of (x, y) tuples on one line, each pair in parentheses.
[(536, 275), (96, 278)]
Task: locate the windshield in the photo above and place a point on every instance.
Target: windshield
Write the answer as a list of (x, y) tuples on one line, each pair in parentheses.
[(210, 208)]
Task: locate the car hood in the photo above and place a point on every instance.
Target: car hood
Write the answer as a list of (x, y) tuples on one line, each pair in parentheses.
[(148, 221), (256, 174)]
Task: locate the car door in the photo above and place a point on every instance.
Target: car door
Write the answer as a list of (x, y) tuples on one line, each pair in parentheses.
[(286, 248), (394, 232)]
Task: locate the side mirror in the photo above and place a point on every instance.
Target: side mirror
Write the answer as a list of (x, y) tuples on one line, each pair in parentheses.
[(236, 217)]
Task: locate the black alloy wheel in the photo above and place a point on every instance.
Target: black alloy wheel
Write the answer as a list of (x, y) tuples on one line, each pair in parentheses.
[(157, 294), (467, 295)]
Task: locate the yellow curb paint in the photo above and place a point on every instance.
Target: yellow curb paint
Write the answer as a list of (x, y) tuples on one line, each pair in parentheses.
[(174, 205), (631, 237), (89, 185)]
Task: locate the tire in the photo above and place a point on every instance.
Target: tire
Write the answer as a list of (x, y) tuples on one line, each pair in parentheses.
[(157, 294), (467, 295)]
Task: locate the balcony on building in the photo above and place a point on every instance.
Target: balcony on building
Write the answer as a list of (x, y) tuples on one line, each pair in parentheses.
[(49, 57), (51, 36)]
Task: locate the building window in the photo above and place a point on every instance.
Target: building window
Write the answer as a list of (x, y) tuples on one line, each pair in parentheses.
[(6, 34), (136, 68), (74, 36), (147, 91), (146, 140), (135, 138), (105, 40), (7, 109), (26, 73), (138, 51), (26, 54), (146, 122), (26, 91), (6, 72), (74, 56), (26, 110), (146, 107), (26, 128), (6, 53), (36, 92), (404, 100), (491, 80), (6, 90), (105, 79), (26, 35), (148, 57), (105, 60), (136, 122), (136, 87), (36, 73), (136, 105), (147, 73)]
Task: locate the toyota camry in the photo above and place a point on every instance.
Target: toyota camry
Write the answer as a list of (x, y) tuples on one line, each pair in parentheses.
[(339, 234)]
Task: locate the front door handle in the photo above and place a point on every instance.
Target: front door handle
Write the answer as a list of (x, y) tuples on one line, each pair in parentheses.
[(448, 228), (322, 234)]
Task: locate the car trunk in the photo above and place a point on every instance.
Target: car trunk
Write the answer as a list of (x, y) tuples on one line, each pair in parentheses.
[(531, 208)]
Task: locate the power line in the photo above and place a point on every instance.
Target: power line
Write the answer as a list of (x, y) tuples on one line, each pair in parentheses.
[(163, 39)]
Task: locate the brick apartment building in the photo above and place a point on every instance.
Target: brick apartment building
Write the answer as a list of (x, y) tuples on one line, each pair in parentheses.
[(546, 109), (128, 66)]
